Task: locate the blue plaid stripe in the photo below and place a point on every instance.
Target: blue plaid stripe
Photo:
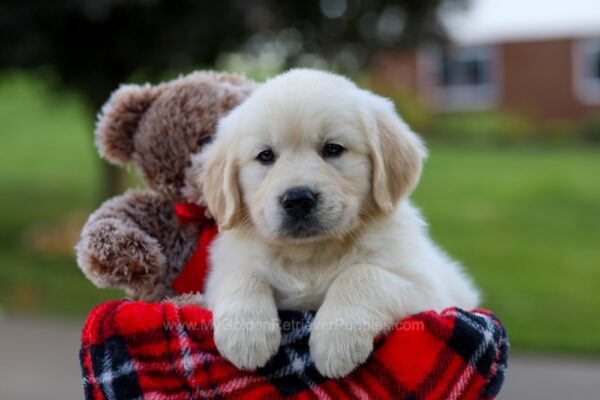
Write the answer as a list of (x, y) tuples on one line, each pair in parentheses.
[(482, 341), (292, 370), (114, 370)]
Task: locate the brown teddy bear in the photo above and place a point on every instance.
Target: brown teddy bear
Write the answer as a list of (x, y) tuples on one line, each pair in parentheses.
[(136, 241)]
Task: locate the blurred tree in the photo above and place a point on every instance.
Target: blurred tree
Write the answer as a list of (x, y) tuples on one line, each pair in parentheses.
[(90, 46)]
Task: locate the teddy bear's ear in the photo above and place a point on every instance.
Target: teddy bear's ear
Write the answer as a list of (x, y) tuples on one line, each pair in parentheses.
[(119, 119)]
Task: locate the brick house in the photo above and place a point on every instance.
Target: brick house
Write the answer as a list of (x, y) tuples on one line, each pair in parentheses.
[(553, 75)]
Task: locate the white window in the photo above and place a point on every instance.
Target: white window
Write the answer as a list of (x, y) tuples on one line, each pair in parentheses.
[(587, 70), (462, 78)]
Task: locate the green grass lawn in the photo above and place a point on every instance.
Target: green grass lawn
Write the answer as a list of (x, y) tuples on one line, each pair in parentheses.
[(525, 222), (48, 170)]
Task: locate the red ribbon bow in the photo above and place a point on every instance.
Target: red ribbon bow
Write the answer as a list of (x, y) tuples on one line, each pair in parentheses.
[(190, 212)]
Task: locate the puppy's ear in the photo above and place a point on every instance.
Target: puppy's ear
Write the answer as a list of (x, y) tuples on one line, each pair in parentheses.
[(119, 119), (397, 154), (220, 187)]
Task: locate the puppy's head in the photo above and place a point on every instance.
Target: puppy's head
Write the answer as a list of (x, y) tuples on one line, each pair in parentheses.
[(309, 156)]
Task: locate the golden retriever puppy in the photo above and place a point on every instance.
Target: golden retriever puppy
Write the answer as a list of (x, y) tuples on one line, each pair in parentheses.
[(308, 180)]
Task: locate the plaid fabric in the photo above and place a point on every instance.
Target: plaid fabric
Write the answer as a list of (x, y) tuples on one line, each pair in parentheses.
[(136, 350)]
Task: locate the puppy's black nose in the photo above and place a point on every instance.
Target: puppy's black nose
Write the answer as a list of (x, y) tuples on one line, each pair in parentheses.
[(299, 202)]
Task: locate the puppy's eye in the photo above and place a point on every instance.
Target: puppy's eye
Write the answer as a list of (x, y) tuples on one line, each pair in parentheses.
[(266, 157), (332, 150), (205, 140)]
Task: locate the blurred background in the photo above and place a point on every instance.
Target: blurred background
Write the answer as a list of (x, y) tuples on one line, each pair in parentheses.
[(505, 92)]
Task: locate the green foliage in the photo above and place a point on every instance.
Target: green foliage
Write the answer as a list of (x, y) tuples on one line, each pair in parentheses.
[(490, 128), (561, 132), (92, 46), (591, 130), (493, 128), (415, 112)]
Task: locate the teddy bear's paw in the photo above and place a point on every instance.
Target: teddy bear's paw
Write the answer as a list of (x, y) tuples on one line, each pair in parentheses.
[(114, 255), (247, 339), (337, 350)]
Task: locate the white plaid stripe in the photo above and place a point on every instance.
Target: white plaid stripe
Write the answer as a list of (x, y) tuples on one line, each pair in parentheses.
[(190, 361), (487, 342), (159, 395), (357, 390), (110, 374), (239, 384), (298, 364), (299, 334)]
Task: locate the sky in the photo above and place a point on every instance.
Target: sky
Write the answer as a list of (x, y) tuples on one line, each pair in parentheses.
[(495, 20)]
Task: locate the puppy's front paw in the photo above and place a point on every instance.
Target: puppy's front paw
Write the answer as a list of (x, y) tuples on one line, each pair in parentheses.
[(248, 339), (338, 350)]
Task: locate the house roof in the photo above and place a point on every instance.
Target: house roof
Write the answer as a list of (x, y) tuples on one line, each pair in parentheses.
[(492, 21)]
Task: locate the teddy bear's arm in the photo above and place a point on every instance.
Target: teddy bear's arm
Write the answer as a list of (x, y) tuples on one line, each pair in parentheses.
[(134, 242)]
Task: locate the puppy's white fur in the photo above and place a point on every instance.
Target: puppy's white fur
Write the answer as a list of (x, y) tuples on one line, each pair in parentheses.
[(370, 263)]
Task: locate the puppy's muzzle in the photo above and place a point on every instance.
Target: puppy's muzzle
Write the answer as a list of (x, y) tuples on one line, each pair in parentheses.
[(299, 202)]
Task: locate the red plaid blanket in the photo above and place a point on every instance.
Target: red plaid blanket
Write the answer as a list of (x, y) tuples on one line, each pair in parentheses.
[(136, 350)]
